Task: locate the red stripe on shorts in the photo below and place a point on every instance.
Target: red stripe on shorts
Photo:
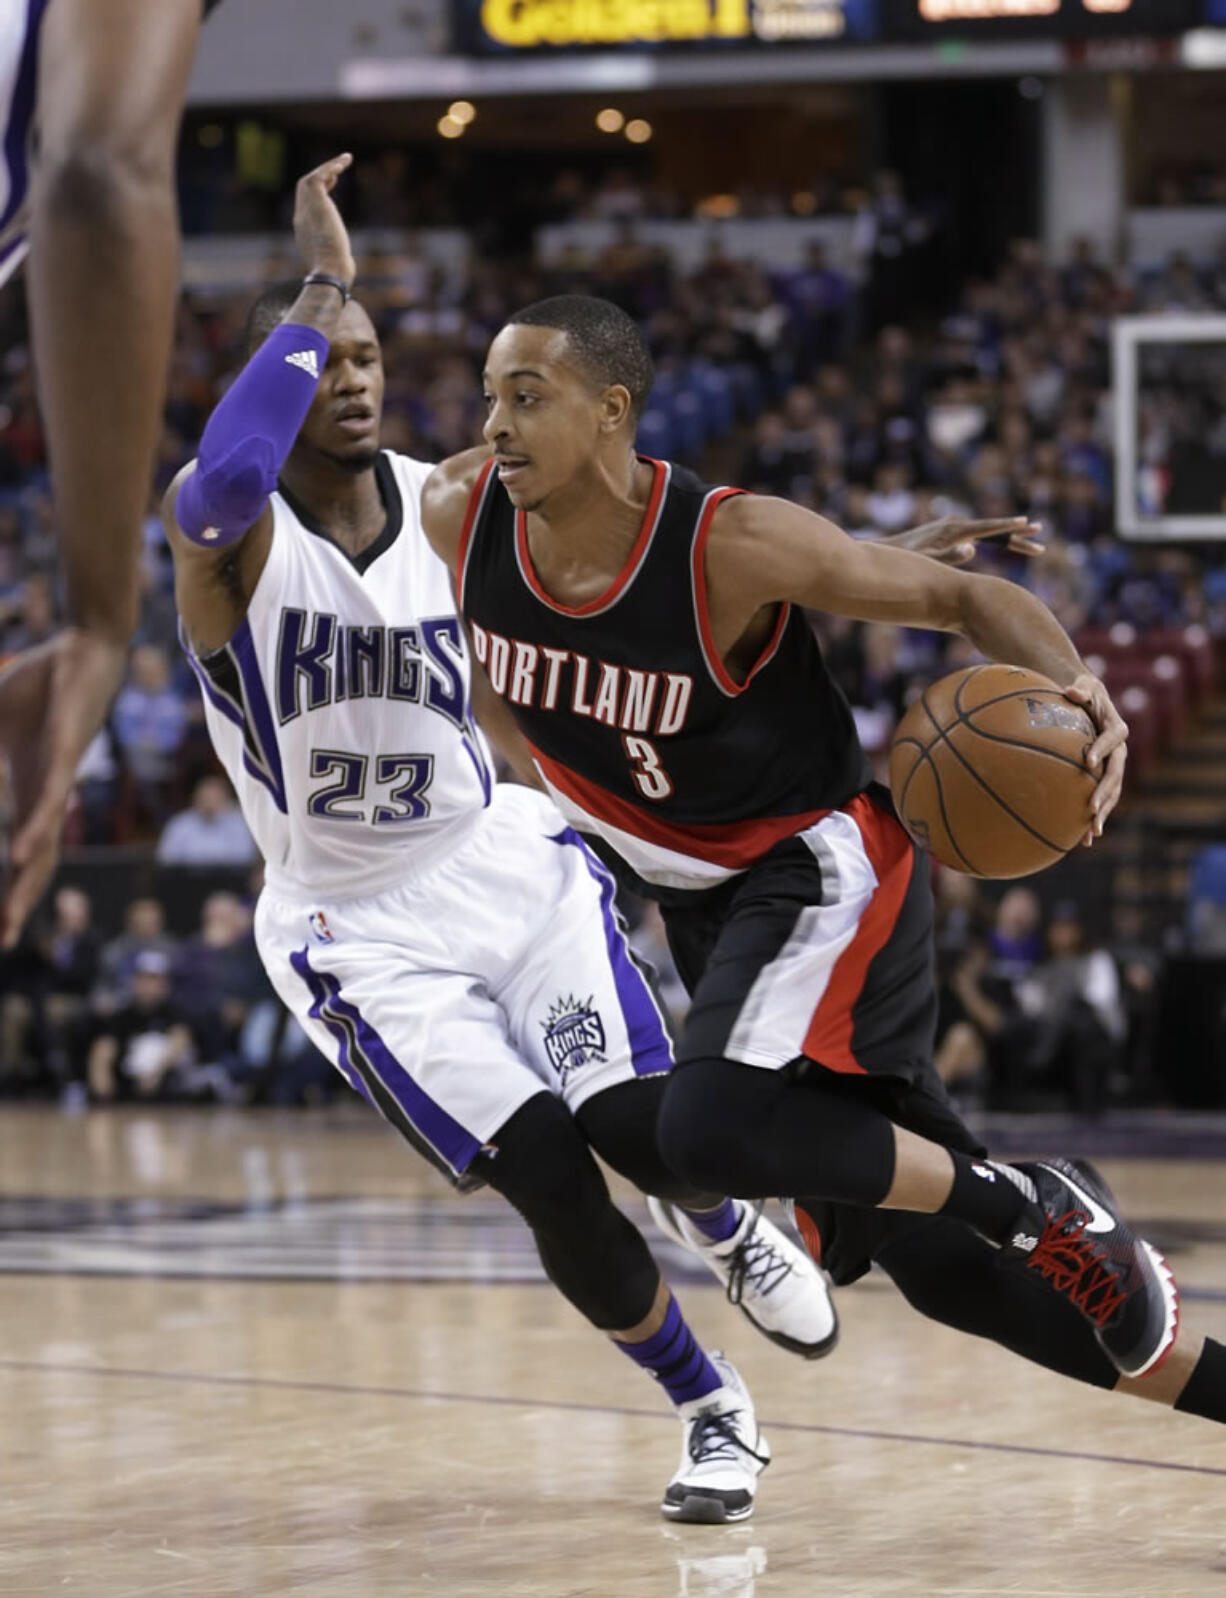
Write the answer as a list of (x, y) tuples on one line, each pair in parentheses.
[(889, 850)]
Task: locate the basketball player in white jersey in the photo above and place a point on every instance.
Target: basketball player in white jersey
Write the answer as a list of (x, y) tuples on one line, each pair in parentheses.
[(448, 942), (91, 93)]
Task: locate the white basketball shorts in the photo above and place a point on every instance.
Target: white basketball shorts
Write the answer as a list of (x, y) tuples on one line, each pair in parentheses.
[(454, 997)]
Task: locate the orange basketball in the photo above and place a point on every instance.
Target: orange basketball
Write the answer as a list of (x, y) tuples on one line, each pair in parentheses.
[(988, 771)]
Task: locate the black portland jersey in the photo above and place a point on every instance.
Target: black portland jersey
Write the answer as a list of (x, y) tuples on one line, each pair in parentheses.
[(641, 734)]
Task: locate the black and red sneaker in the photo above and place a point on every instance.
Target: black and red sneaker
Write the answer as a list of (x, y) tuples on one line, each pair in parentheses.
[(1074, 1238)]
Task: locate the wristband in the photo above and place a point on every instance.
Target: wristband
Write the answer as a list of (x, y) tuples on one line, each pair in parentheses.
[(337, 283)]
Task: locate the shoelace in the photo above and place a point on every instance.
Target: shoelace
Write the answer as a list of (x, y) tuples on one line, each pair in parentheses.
[(714, 1436), (1075, 1266), (755, 1263)]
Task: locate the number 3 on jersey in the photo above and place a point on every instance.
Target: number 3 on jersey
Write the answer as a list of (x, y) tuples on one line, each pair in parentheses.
[(650, 777)]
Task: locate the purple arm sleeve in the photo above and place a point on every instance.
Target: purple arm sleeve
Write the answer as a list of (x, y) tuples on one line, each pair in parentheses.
[(249, 436)]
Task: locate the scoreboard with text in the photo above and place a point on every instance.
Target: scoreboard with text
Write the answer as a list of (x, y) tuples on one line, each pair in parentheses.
[(915, 20), (502, 27), (498, 26)]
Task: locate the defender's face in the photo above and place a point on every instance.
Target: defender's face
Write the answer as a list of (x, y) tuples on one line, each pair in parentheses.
[(543, 415), (343, 421)]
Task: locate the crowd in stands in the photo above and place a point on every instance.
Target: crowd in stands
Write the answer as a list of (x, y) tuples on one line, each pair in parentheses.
[(1187, 183), (1035, 1015), (150, 1015), (802, 383)]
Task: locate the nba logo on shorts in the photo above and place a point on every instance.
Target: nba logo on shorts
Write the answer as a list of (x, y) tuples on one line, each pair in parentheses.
[(320, 930), (574, 1034)]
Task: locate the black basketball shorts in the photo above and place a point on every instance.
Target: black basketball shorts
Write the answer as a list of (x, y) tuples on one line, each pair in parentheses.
[(821, 956)]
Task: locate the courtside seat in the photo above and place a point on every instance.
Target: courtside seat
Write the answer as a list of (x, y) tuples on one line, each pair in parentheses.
[(1118, 639), (1137, 707), (1193, 647), (1163, 679)]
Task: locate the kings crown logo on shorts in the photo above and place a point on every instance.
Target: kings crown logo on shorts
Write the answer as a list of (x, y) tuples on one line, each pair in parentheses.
[(574, 1035)]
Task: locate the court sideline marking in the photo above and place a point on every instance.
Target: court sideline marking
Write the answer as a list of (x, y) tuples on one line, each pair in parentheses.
[(357, 1390)]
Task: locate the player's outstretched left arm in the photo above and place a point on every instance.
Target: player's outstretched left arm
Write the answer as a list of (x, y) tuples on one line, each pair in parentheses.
[(763, 551), (101, 280)]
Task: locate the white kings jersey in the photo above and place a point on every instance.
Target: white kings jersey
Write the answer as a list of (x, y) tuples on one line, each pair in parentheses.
[(20, 21), (341, 707)]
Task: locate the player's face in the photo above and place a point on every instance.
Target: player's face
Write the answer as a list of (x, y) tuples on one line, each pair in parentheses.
[(544, 419), (343, 421)]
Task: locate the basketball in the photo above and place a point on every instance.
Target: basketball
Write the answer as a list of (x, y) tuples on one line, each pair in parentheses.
[(988, 771)]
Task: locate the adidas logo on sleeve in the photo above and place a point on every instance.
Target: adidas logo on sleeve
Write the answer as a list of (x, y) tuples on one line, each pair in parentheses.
[(306, 361)]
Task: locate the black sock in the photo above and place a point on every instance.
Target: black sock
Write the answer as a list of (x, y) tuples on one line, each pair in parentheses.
[(1205, 1392), (987, 1196)]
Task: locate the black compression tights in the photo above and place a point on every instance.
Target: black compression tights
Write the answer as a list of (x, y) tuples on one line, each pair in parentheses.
[(591, 1252), (622, 1125), (751, 1133), (947, 1272)]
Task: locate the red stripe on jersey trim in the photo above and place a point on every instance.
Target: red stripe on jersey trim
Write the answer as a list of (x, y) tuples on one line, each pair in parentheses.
[(731, 844), (702, 612), (475, 497), (890, 853), (634, 560)]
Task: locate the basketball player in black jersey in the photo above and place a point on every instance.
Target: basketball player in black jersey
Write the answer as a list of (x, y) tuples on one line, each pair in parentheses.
[(644, 636), (89, 139)]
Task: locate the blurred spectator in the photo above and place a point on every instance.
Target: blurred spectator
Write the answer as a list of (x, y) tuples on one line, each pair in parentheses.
[(891, 505), (1206, 915), (1078, 1022), (1051, 1030), (821, 299), (876, 683), (211, 832), (1016, 940), (618, 196), (98, 783), (150, 721), (144, 931), (888, 232), (779, 460), (219, 978), (43, 1014), (146, 1048), (959, 925)]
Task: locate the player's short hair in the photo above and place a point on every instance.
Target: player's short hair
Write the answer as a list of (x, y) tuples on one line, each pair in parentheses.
[(606, 343), (269, 310)]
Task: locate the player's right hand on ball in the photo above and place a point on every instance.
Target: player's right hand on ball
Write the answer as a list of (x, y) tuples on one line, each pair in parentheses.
[(1109, 751), (319, 232)]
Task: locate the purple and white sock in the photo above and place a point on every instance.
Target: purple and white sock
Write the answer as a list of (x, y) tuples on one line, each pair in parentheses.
[(718, 1224), (675, 1358)]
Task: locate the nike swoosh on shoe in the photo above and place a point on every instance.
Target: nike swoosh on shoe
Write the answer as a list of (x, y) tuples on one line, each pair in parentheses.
[(1101, 1220)]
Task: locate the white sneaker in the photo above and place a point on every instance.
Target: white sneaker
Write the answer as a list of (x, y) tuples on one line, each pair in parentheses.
[(778, 1287), (722, 1454)]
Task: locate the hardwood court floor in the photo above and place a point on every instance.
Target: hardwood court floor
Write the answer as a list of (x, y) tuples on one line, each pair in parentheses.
[(254, 1355)]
